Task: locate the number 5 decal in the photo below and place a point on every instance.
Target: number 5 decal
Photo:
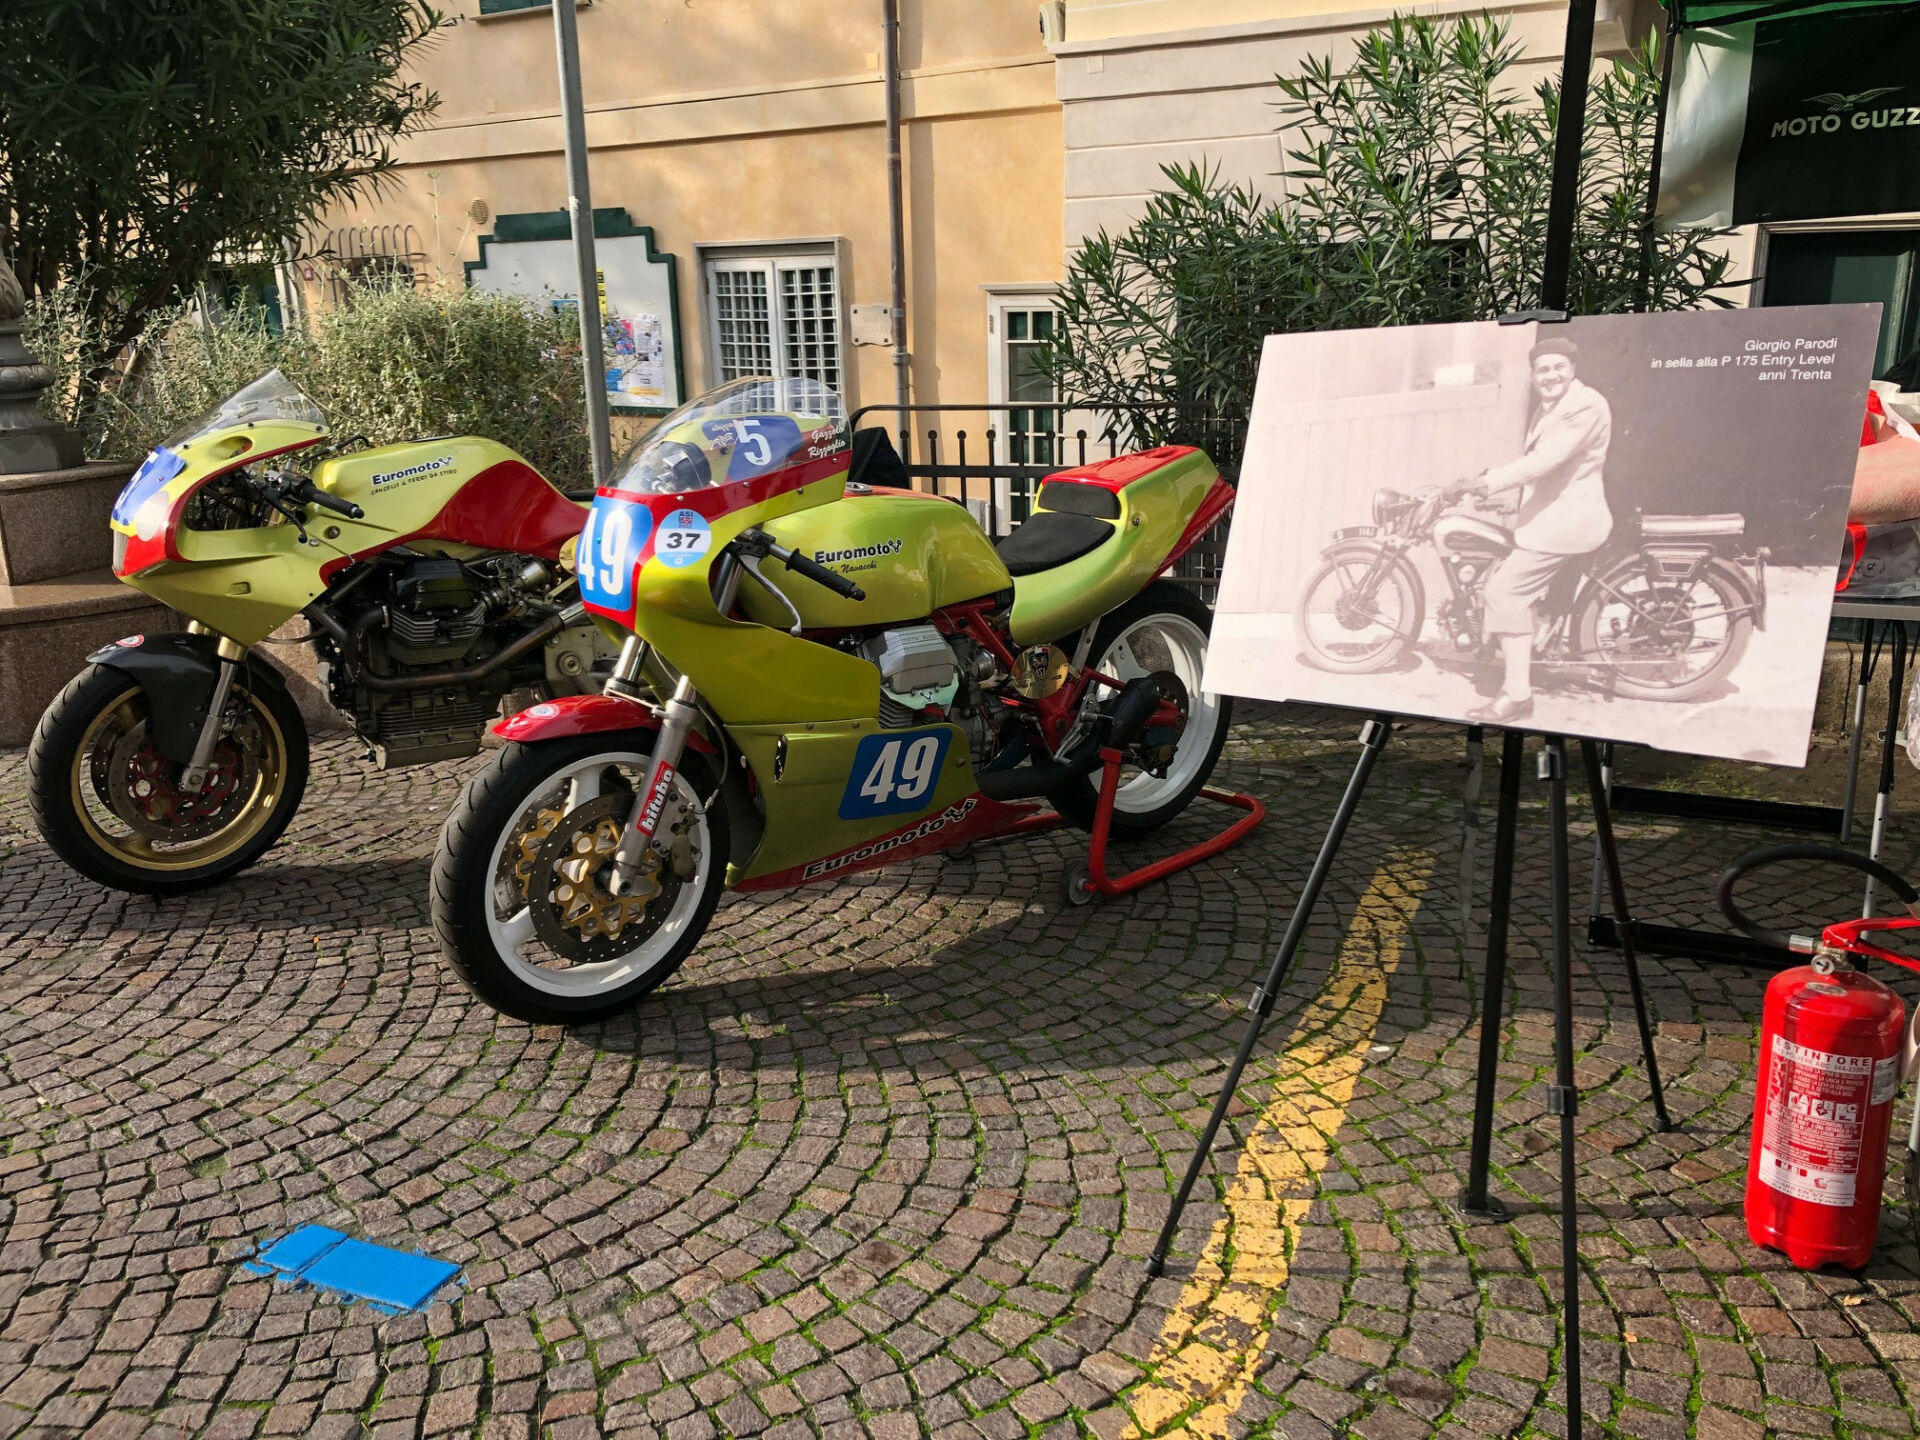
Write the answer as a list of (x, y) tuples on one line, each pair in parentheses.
[(894, 773)]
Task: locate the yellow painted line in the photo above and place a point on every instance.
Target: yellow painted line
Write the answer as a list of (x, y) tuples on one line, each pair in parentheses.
[(1215, 1335)]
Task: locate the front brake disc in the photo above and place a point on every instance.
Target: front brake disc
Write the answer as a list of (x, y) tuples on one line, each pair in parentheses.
[(573, 911)]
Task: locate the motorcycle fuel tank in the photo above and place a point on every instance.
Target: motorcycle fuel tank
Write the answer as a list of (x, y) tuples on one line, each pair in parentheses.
[(1464, 534), (911, 553), (460, 489)]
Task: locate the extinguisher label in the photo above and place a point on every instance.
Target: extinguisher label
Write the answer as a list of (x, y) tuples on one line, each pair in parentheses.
[(1886, 1074), (1816, 1117)]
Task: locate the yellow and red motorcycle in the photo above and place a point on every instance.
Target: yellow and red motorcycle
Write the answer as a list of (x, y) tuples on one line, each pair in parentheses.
[(431, 574), (909, 689)]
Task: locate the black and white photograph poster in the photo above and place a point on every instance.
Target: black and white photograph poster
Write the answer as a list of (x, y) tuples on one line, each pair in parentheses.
[(1623, 527)]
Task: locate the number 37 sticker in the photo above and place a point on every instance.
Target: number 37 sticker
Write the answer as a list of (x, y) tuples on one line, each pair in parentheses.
[(894, 773)]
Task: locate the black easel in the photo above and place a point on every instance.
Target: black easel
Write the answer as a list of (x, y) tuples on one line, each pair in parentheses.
[(1562, 1098)]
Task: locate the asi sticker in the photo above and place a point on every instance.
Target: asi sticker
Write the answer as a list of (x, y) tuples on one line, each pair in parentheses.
[(684, 537), (610, 546), (894, 773)]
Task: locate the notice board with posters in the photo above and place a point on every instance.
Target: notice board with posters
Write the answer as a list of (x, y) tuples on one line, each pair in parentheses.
[(532, 255), (1793, 117)]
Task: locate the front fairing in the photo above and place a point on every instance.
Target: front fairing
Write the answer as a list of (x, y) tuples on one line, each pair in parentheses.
[(645, 565)]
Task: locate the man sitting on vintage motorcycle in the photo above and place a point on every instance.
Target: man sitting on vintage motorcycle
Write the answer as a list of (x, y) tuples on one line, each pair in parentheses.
[(1563, 514)]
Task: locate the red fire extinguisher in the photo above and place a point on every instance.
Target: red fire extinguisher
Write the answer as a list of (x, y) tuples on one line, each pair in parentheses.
[(1834, 1049)]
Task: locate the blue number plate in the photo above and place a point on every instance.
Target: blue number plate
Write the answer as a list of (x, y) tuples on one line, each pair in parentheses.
[(610, 547), (894, 773), (160, 466)]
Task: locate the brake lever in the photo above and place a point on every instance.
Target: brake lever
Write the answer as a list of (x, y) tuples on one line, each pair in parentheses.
[(751, 564)]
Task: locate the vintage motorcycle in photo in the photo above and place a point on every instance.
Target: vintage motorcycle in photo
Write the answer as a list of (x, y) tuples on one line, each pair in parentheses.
[(905, 691), (431, 575), (1663, 611)]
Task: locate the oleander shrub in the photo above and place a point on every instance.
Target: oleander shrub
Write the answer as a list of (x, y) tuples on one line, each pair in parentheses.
[(1415, 193)]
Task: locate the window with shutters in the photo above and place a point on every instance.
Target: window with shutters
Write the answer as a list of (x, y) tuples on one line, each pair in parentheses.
[(775, 314)]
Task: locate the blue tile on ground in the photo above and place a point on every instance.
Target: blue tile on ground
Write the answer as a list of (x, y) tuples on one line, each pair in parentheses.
[(386, 1278)]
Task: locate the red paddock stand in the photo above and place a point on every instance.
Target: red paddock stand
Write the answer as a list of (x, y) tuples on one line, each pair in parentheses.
[(1084, 879)]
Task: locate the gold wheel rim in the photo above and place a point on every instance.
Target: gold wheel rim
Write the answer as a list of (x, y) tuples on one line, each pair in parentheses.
[(137, 850)]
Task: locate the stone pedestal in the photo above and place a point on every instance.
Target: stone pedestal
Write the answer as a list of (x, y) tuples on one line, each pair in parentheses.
[(55, 523)]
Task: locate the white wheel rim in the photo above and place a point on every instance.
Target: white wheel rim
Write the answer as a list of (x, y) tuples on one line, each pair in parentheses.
[(512, 932), (1163, 642)]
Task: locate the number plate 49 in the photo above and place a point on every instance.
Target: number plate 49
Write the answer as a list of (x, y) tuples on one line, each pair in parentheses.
[(894, 773)]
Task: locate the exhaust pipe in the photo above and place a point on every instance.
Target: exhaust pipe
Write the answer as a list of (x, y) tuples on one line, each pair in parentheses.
[(1123, 722), (439, 679)]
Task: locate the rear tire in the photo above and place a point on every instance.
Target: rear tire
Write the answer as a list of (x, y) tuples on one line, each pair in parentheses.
[(1165, 626), (90, 741), (503, 957), (1633, 665)]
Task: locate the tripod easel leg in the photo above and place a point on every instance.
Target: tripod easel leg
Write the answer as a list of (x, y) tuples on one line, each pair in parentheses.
[(1623, 924), (1562, 1099), (1373, 738), (1474, 1199)]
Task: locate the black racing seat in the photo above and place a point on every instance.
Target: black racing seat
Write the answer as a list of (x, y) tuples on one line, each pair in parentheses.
[(1051, 538)]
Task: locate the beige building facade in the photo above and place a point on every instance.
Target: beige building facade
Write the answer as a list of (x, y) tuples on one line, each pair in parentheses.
[(747, 137)]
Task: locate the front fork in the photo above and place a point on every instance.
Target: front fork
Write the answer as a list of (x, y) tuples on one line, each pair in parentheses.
[(681, 714), (232, 656)]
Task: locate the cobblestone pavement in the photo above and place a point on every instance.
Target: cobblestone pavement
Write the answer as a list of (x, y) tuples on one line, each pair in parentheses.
[(887, 1157)]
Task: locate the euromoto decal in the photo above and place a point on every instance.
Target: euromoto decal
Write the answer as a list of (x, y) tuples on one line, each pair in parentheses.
[(952, 815), (413, 472)]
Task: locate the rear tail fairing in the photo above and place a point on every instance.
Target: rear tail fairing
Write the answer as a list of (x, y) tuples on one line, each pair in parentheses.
[(1152, 500)]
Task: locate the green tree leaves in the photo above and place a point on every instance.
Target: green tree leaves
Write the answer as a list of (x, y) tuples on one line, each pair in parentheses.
[(142, 141), (1416, 193)]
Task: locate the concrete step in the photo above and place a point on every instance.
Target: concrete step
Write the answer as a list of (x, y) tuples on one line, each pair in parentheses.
[(55, 523), (47, 630)]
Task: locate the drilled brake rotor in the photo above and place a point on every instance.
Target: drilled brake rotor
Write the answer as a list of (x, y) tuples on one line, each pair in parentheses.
[(578, 916)]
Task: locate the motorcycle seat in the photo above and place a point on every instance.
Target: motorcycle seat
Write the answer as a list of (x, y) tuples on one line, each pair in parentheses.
[(1050, 538), (1689, 527)]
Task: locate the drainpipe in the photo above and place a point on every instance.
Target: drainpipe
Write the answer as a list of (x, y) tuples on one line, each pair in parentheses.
[(896, 204)]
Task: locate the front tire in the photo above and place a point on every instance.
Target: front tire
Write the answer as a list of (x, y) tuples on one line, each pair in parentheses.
[(520, 898), (1164, 627), (1339, 635), (104, 798)]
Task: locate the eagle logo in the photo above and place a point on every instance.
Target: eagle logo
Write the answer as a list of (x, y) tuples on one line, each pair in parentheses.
[(1838, 103)]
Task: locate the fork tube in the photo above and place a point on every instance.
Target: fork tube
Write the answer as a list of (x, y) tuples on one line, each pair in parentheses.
[(629, 668), (681, 714)]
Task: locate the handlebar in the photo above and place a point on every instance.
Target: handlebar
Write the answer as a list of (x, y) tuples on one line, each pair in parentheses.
[(758, 542), (1779, 854), (314, 495), (289, 485)]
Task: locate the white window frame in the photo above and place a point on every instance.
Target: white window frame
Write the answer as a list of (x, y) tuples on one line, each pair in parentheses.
[(1024, 295), (770, 258)]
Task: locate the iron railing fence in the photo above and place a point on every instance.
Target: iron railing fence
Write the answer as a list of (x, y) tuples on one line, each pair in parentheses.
[(995, 468)]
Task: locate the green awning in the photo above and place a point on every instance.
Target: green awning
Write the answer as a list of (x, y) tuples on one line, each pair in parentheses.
[(1691, 14)]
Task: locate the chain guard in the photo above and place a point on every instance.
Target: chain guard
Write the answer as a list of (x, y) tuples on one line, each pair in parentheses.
[(576, 916)]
